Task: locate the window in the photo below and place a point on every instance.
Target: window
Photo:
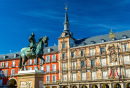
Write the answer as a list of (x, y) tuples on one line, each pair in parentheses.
[(35, 68), (124, 47), (30, 68), (13, 63), (124, 36), (102, 50), (34, 61), (92, 63), (64, 56), (54, 78), (92, 52), (74, 77), (73, 65), (41, 67), (104, 73), (82, 53), (64, 66), (6, 72), (48, 78), (41, 61), (47, 68), (83, 75), (127, 72), (2, 64), (53, 58), (72, 54), (49, 50), (82, 64), (94, 76), (54, 67), (103, 62), (13, 72), (6, 64), (126, 59), (30, 61), (102, 40), (47, 58), (64, 77), (63, 45)]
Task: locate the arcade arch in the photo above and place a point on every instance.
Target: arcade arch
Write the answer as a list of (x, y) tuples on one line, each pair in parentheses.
[(128, 85), (94, 86), (12, 82), (84, 86), (105, 86), (117, 85)]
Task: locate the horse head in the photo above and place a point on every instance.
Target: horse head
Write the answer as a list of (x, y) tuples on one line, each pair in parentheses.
[(45, 41)]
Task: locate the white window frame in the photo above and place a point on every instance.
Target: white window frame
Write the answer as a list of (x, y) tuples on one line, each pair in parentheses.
[(48, 78), (55, 78), (12, 70), (41, 68), (13, 63), (92, 52), (74, 77), (64, 77), (53, 69), (29, 68), (83, 76), (47, 66), (34, 61), (30, 61), (104, 75), (48, 58), (6, 64), (2, 64), (102, 62), (73, 65), (6, 72), (41, 61), (126, 59), (94, 75), (64, 66), (53, 58)]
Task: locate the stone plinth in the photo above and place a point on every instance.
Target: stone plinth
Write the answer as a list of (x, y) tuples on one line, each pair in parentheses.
[(30, 79)]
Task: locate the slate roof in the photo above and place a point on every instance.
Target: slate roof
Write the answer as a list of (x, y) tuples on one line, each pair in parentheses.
[(11, 55), (97, 39)]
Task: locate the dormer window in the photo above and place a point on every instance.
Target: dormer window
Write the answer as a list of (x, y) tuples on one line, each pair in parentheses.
[(102, 40), (15, 55), (49, 50), (93, 42), (4, 57), (113, 39), (124, 36)]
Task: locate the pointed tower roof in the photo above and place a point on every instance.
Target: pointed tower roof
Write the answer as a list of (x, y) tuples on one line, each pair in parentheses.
[(66, 18)]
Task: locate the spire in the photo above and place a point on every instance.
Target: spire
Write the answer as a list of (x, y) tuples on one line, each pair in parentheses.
[(111, 34), (66, 22)]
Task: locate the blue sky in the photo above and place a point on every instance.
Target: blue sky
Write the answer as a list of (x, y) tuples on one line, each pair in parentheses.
[(19, 18)]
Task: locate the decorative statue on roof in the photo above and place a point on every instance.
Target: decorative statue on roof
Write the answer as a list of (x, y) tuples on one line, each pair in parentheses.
[(34, 51)]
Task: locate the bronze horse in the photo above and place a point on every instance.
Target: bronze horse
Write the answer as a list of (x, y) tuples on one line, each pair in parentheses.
[(27, 54)]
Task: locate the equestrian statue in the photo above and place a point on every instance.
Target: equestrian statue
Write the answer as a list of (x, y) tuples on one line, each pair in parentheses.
[(34, 51)]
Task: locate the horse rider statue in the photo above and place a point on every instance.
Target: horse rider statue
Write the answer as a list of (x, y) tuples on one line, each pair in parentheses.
[(32, 44)]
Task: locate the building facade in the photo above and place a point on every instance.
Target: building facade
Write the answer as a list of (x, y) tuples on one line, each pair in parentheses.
[(95, 62), (9, 67)]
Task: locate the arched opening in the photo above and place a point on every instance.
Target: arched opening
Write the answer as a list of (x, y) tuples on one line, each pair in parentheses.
[(74, 86), (94, 86), (64, 87), (117, 85), (84, 86), (105, 86), (128, 85), (12, 83)]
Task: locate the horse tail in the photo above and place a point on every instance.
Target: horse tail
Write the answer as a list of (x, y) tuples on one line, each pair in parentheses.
[(20, 62)]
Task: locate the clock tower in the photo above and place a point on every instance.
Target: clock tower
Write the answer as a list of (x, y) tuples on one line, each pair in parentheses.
[(65, 41)]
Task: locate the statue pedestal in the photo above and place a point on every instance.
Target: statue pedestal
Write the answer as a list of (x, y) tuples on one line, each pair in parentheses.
[(30, 79)]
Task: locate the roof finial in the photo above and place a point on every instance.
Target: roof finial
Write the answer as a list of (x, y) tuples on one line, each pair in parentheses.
[(111, 34), (66, 6)]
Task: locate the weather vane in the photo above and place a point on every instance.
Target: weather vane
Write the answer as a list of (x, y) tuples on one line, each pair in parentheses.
[(66, 5)]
